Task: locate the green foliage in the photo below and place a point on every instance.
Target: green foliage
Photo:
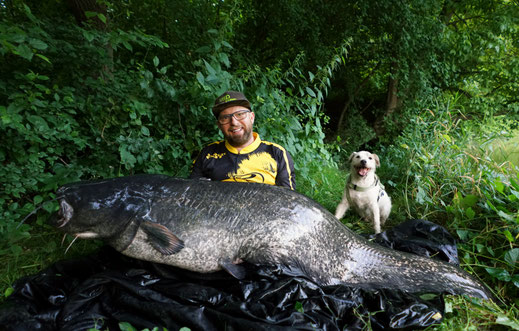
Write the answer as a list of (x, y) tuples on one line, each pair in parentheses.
[(125, 326), (81, 103), (443, 164)]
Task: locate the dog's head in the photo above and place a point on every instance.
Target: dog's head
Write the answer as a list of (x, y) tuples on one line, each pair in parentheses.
[(363, 163)]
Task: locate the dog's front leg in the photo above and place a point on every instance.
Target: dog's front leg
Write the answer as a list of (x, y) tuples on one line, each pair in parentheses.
[(376, 217), (342, 207)]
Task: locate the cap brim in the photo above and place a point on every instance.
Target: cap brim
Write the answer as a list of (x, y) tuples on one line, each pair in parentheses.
[(218, 108)]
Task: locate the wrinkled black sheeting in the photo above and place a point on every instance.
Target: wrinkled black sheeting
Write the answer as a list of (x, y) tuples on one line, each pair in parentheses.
[(420, 237), (106, 288)]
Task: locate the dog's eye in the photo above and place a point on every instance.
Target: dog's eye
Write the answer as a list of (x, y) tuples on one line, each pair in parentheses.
[(358, 156), (370, 158)]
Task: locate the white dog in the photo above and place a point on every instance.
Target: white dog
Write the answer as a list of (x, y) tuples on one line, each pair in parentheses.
[(364, 192)]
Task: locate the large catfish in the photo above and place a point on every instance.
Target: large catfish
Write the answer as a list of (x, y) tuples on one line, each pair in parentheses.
[(206, 226)]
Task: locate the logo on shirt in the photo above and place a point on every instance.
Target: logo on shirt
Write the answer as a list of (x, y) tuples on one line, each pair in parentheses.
[(258, 168), (214, 156), (252, 177)]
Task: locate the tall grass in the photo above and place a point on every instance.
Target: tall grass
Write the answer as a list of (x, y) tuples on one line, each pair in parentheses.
[(462, 174)]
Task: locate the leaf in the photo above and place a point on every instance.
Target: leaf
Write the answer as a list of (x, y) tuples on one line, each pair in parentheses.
[(127, 45), (421, 195), (88, 35), (24, 51), (225, 59), (505, 320), (156, 61), (514, 183), (127, 158), (38, 44), (499, 186), (463, 234), (8, 291), (505, 216), (310, 92), (509, 236), (469, 201), (43, 58), (515, 280), (90, 14), (226, 44), (299, 307), (209, 68), (37, 199), (200, 78), (125, 326), (102, 18), (499, 273), (512, 256), (470, 213), (28, 13), (491, 205)]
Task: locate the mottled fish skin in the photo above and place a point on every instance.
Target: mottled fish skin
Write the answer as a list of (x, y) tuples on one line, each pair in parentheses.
[(219, 223)]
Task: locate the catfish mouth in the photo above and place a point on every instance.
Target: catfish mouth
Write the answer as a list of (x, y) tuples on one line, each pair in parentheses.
[(362, 171), (65, 213)]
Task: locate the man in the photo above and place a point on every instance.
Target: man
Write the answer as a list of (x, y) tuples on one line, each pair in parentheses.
[(242, 156)]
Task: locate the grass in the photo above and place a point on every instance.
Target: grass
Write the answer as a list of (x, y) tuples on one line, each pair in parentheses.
[(463, 176), (43, 248), (504, 150)]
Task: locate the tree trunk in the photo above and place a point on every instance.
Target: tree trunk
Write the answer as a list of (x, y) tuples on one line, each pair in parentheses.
[(392, 100), (351, 98), (79, 8)]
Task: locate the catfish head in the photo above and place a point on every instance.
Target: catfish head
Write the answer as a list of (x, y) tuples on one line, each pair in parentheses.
[(106, 209)]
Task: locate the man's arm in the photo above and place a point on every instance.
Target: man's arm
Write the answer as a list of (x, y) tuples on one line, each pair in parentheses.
[(197, 167), (286, 174)]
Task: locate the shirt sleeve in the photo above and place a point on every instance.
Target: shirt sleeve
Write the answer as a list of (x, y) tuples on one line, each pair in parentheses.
[(197, 166), (285, 175)]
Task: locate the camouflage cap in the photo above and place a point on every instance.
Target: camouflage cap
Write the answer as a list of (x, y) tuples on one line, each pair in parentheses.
[(229, 99)]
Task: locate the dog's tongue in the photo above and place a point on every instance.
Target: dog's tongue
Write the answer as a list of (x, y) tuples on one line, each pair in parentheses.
[(363, 171)]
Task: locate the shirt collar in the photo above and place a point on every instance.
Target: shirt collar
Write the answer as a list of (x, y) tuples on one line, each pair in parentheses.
[(255, 144)]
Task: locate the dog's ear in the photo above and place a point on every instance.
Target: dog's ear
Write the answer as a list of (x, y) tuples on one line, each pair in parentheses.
[(377, 160), (351, 157)]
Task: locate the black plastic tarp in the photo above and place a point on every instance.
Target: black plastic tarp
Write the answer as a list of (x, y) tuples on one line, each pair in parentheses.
[(106, 288)]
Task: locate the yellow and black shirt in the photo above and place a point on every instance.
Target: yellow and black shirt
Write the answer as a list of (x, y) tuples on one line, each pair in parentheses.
[(260, 162)]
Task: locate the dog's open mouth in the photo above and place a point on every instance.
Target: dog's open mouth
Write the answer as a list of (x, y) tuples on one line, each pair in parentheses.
[(362, 171)]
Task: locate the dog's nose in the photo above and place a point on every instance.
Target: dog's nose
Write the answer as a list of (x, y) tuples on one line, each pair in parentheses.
[(363, 162)]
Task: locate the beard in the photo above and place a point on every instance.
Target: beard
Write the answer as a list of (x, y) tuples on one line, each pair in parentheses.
[(239, 140)]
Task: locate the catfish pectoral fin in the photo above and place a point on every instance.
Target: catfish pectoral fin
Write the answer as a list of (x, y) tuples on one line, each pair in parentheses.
[(235, 270), (161, 238)]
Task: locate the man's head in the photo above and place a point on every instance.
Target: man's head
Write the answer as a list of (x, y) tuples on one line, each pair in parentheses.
[(228, 99), (235, 118)]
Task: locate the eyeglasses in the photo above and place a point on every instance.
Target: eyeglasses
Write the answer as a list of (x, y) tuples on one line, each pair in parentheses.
[(239, 115)]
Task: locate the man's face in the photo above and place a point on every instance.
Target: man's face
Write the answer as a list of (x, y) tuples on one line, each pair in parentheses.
[(237, 132)]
